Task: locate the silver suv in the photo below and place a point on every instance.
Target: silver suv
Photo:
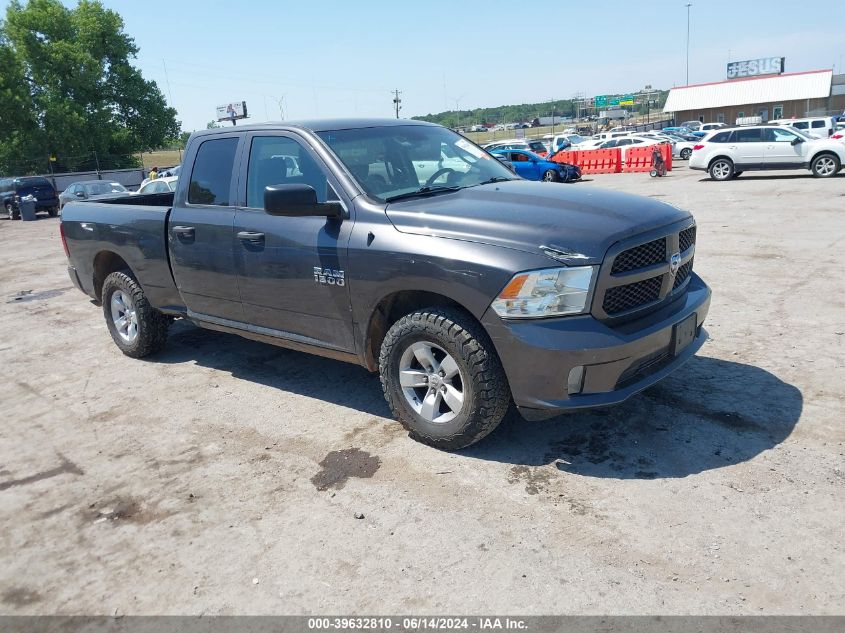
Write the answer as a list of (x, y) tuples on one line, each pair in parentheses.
[(727, 152)]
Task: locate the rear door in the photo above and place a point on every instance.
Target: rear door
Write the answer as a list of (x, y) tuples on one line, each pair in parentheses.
[(292, 270), (748, 148), (201, 232)]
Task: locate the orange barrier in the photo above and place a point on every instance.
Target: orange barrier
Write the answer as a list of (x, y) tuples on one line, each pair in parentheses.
[(593, 161), (640, 159)]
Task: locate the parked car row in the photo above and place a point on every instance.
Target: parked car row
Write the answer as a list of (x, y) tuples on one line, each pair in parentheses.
[(14, 191), (726, 153), (37, 189)]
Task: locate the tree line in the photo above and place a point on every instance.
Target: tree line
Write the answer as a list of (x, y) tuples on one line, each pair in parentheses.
[(71, 96), (527, 112)]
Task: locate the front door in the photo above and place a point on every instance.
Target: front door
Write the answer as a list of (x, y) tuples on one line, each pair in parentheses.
[(200, 234), (780, 152), (292, 270), (523, 165)]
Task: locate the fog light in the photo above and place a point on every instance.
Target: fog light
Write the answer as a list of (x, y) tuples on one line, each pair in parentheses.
[(576, 380)]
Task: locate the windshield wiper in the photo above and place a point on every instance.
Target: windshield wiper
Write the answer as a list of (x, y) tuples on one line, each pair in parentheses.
[(421, 192), (494, 179)]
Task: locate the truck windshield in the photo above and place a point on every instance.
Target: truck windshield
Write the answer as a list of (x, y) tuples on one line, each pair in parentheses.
[(399, 160)]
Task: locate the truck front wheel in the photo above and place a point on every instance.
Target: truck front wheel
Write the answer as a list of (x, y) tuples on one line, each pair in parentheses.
[(442, 378), (136, 327)]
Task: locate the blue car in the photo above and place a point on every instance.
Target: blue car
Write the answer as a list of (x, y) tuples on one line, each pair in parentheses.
[(534, 167)]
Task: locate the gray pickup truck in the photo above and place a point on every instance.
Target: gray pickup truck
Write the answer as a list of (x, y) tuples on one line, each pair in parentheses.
[(405, 248)]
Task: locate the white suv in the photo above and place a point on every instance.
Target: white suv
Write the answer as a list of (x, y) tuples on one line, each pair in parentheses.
[(726, 153)]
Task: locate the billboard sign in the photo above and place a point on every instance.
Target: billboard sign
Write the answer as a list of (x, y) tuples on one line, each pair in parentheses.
[(756, 67), (232, 111)]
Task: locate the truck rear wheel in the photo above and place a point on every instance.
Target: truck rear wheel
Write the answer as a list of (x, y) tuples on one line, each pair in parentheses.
[(442, 378), (136, 327)]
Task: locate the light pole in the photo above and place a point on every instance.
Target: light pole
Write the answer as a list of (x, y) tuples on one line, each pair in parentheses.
[(457, 101), (689, 4)]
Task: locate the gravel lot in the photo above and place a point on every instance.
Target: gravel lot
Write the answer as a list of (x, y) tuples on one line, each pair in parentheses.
[(225, 476)]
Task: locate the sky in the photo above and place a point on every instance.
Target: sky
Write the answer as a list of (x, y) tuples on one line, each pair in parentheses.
[(327, 58)]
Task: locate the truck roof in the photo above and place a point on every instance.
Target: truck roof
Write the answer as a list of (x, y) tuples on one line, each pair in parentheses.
[(314, 125)]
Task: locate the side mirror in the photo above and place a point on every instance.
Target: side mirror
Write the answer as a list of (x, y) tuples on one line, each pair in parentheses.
[(80, 194), (298, 201), (797, 140)]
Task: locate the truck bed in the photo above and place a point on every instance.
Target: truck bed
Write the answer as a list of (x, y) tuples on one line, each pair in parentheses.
[(133, 228)]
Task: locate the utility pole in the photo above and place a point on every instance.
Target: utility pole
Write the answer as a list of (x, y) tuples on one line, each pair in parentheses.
[(397, 101), (689, 4)]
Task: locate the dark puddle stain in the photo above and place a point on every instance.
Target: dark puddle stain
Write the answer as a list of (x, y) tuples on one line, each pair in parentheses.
[(339, 466), (20, 597), (66, 466), (29, 295), (536, 480), (124, 510)]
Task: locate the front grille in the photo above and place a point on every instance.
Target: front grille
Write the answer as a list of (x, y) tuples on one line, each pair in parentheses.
[(637, 278), (686, 238), (623, 298), (640, 256), (682, 274)]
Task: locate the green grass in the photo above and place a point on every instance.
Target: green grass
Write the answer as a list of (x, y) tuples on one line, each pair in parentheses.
[(162, 158)]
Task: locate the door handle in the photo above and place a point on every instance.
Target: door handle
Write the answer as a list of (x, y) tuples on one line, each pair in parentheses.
[(183, 231), (249, 236)]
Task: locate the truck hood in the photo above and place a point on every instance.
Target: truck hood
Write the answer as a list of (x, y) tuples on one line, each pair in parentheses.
[(579, 223)]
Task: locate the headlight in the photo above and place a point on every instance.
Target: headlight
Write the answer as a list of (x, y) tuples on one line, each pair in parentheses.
[(544, 293)]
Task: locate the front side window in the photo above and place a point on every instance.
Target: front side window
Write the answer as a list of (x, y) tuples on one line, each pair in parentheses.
[(748, 135), (801, 125), (400, 160), (818, 124), (778, 135), (280, 160), (211, 177)]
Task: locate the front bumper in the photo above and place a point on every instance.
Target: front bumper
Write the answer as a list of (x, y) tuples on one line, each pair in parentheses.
[(618, 362)]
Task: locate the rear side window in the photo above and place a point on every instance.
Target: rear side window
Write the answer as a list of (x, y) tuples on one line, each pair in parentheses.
[(212, 174), (721, 137), (751, 135), (818, 124), (34, 182)]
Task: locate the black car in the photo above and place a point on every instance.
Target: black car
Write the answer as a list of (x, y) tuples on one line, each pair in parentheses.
[(14, 190)]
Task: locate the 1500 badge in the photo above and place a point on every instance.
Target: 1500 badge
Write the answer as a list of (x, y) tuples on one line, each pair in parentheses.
[(329, 276)]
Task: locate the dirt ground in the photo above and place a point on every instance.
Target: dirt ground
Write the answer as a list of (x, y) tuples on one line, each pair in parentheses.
[(229, 477)]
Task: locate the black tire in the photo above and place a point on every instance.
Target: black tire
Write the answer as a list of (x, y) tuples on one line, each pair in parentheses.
[(11, 212), (721, 169), (825, 165), (551, 176), (152, 325), (486, 394), (686, 153)]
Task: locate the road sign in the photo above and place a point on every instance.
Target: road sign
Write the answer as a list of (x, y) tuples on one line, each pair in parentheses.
[(604, 101)]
